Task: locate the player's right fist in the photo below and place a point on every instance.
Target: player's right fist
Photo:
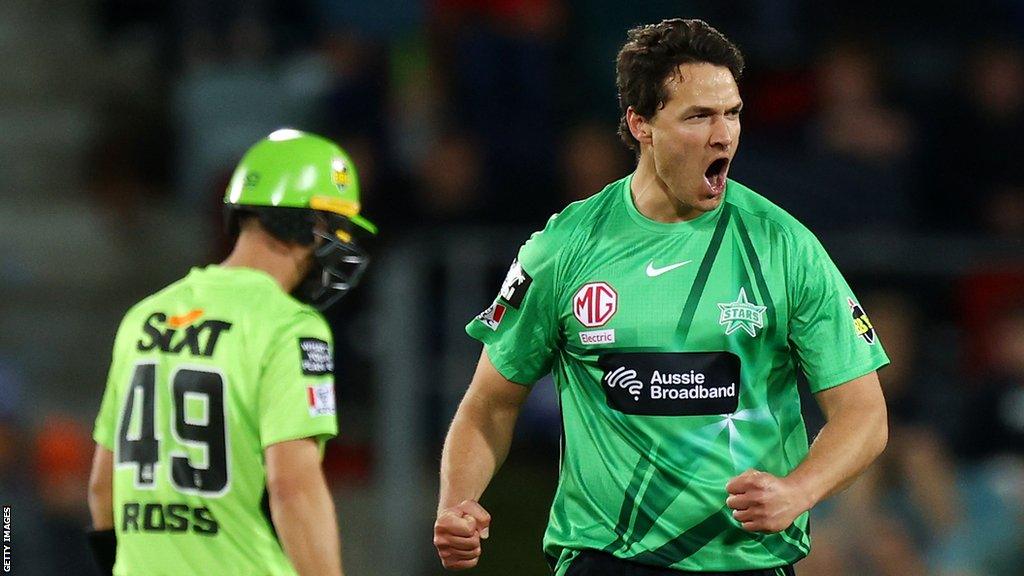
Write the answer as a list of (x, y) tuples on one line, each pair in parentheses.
[(457, 534)]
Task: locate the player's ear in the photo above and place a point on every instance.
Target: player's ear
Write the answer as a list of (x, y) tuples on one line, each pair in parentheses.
[(639, 127)]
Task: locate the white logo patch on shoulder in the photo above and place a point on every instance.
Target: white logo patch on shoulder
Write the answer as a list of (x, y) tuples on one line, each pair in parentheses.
[(321, 400), (516, 283), (492, 316)]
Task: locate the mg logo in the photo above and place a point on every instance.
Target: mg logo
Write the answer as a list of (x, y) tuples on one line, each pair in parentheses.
[(595, 303)]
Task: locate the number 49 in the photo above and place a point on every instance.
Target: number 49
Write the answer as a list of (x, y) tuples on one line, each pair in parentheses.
[(141, 447)]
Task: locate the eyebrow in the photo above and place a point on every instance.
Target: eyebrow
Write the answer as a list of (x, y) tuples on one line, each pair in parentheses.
[(709, 110)]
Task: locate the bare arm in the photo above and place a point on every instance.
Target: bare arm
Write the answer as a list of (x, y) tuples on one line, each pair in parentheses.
[(101, 489), (854, 435), (302, 508), (476, 446)]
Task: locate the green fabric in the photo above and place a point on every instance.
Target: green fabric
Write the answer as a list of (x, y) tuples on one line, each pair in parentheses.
[(266, 383), (756, 285)]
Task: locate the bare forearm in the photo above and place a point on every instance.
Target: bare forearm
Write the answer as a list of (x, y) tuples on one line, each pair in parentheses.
[(475, 448), (839, 454), (101, 489), (306, 523), (101, 508), (855, 434)]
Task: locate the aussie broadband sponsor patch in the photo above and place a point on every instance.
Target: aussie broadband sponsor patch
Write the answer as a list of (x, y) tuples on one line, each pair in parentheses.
[(671, 383)]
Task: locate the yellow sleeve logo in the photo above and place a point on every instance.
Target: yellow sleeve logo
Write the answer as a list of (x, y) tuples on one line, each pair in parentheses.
[(861, 324)]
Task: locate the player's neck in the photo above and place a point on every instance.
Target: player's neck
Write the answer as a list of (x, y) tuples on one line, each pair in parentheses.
[(254, 252), (652, 196)]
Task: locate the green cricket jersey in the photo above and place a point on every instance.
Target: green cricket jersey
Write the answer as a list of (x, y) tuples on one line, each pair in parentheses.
[(674, 348), (205, 375)]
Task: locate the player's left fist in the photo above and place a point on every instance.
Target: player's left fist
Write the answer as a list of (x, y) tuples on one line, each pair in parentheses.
[(763, 502)]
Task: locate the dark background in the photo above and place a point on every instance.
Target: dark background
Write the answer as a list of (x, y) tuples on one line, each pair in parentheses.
[(892, 129)]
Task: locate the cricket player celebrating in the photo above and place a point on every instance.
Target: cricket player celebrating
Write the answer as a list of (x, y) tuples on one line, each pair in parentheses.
[(674, 309), (221, 394)]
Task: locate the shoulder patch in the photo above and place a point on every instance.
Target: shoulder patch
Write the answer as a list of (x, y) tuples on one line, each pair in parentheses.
[(317, 359), (516, 283), (861, 324), (493, 315), (321, 400)]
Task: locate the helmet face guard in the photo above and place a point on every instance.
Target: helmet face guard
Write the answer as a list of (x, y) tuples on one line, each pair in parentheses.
[(339, 265)]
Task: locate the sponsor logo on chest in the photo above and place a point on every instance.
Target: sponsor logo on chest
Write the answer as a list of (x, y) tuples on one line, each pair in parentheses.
[(671, 383), (594, 304)]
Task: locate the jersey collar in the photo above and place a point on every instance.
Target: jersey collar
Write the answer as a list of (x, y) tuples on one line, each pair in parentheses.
[(704, 221)]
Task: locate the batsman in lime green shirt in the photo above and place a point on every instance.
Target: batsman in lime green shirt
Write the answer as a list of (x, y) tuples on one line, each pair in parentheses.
[(221, 390)]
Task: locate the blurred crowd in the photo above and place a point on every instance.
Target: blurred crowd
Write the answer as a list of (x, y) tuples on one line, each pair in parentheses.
[(865, 118)]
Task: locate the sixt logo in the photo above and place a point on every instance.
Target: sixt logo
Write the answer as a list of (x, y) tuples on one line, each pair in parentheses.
[(178, 333)]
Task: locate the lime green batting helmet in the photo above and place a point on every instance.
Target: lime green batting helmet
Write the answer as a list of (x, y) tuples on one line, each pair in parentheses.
[(295, 169), (303, 188)]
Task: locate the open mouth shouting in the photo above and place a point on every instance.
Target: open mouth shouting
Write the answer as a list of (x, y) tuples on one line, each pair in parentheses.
[(714, 176)]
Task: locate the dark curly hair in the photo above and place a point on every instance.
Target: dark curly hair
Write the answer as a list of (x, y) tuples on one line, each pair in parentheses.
[(653, 52)]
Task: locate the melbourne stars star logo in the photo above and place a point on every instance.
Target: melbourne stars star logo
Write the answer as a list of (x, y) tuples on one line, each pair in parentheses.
[(741, 314)]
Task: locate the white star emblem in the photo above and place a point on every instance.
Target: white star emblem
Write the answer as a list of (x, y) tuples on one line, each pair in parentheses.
[(741, 314)]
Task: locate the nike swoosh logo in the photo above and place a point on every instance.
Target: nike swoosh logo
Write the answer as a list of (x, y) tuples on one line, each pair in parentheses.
[(652, 271)]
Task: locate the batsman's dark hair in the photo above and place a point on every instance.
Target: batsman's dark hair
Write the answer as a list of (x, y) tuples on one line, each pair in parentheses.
[(285, 224), (653, 52)]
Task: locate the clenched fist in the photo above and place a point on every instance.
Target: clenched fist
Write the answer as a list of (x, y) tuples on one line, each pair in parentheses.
[(457, 534), (762, 502)]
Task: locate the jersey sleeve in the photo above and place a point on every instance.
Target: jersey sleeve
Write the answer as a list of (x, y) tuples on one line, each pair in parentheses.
[(833, 337), (520, 328), (296, 388), (105, 427)]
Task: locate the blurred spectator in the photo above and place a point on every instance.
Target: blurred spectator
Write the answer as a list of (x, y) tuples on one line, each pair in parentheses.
[(992, 444), (591, 157), (857, 532), (994, 410), (976, 149), (500, 59), (128, 165), (853, 118), (984, 298), (1004, 210), (859, 147), (853, 171), (63, 453), (222, 103), (448, 183), (416, 101), (355, 97)]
